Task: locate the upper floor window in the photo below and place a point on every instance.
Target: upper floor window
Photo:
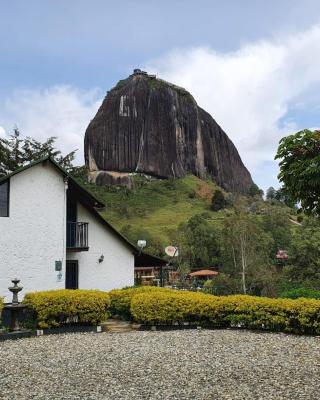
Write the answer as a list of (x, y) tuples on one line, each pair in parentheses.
[(4, 199)]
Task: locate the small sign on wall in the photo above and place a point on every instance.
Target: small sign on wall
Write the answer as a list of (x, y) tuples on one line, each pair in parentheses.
[(58, 265)]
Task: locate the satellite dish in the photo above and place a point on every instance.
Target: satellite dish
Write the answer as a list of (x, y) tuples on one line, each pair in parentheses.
[(172, 251)]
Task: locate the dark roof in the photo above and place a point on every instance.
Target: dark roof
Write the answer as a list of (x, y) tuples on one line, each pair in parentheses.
[(147, 260), (85, 197), (43, 159), (88, 200), (94, 202)]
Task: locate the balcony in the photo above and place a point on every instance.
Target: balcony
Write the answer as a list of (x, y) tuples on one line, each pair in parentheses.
[(77, 236)]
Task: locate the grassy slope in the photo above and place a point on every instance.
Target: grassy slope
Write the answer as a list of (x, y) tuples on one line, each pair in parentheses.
[(157, 207), (154, 209)]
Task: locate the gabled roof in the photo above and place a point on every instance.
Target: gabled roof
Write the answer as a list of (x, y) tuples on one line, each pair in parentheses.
[(93, 201), (43, 159), (90, 201), (147, 260)]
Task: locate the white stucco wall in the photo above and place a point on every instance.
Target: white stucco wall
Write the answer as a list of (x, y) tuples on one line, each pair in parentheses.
[(117, 269), (32, 237)]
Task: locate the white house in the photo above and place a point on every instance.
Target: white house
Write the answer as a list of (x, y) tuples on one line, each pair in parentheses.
[(53, 237)]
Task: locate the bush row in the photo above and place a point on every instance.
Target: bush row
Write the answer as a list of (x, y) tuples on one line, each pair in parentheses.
[(301, 292), (55, 307), (1, 307), (285, 315), (157, 306)]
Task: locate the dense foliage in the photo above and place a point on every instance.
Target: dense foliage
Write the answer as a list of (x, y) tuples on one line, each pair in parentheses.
[(255, 191), (301, 292), (243, 247), (240, 241), (303, 268), (284, 315), (299, 156), (246, 253), (199, 240), (51, 308), (218, 201), (15, 152)]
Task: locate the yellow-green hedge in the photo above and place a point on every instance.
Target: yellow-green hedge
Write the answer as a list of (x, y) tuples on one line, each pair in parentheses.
[(1, 307), (286, 315), (121, 299), (53, 307)]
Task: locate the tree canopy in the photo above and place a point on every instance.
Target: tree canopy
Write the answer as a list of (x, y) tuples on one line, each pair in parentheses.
[(255, 191), (199, 240), (218, 201), (271, 193), (15, 152), (299, 156)]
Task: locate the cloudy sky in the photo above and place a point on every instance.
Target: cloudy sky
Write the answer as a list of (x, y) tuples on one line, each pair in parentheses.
[(253, 64)]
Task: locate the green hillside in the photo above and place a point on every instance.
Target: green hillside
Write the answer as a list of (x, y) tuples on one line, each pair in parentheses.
[(154, 209)]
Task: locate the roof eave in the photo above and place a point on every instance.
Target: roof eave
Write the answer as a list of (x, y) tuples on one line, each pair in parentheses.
[(93, 200)]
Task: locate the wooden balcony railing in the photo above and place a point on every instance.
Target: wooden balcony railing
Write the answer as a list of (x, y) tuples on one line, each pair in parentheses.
[(77, 236)]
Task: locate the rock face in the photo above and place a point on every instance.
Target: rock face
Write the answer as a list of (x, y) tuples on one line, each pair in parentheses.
[(150, 126)]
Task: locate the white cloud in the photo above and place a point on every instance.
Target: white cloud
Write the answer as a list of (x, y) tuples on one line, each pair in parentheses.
[(250, 91), (2, 132), (61, 111)]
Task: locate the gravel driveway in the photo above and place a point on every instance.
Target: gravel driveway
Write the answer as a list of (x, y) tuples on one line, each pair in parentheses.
[(190, 364)]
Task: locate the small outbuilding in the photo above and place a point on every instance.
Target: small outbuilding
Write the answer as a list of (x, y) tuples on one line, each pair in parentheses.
[(149, 270)]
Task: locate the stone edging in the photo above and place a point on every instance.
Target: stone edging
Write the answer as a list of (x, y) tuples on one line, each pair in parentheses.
[(50, 331)]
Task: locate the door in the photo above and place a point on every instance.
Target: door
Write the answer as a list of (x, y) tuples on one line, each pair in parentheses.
[(72, 274)]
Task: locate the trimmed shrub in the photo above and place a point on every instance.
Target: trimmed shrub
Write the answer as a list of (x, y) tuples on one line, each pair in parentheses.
[(1, 307), (168, 308), (301, 292), (285, 315), (121, 299), (56, 307)]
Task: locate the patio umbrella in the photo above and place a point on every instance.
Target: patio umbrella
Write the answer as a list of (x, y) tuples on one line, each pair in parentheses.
[(204, 273)]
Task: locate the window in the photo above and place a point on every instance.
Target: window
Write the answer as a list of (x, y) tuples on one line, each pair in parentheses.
[(4, 199)]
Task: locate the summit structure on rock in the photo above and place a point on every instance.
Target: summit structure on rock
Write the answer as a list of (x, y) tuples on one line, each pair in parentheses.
[(151, 126)]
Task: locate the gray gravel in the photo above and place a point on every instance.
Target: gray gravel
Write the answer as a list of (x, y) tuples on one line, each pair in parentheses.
[(204, 364)]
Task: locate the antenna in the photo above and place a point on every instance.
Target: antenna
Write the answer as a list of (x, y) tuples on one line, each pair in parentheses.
[(141, 244)]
